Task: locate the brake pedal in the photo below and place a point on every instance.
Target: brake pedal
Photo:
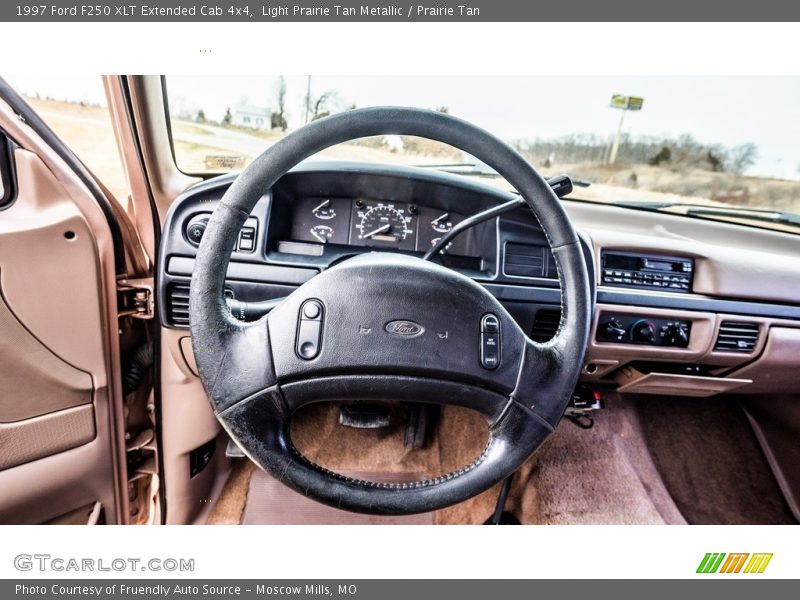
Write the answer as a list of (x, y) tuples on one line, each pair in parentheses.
[(365, 416)]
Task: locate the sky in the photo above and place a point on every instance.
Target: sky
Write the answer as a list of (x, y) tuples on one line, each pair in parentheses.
[(725, 110)]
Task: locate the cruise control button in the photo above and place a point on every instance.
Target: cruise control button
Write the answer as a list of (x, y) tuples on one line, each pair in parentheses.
[(309, 330), (308, 338), (311, 309), (490, 350), (490, 324)]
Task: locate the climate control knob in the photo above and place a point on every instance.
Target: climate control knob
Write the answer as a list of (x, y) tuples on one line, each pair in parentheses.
[(677, 336), (643, 331)]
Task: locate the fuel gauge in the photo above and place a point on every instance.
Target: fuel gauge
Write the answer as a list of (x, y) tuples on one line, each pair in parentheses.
[(323, 233), (447, 246)]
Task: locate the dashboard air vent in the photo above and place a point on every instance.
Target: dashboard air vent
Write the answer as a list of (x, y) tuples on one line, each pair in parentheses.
[(179, 305), (525, 260), (735, 336), (545, 325)]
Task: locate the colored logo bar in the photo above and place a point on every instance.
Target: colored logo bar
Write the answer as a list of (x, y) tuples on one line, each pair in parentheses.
[(737, 562)]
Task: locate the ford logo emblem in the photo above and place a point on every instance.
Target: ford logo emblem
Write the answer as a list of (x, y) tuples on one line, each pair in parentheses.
[(404, 328)]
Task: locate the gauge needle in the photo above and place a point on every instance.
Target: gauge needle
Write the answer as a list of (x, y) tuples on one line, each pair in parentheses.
[(444, 216), (325, 204), (381, 229), (321, 238)]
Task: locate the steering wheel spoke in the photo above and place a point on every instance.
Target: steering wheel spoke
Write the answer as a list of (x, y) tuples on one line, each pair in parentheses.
[(238, 361), (393, 389)]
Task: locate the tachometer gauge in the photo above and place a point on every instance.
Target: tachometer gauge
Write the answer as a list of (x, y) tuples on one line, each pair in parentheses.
[(383, 224), (324, 210), (442, 223), (322, 232)]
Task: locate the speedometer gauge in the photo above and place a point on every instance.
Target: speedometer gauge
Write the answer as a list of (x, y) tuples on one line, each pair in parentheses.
[(383, 224)]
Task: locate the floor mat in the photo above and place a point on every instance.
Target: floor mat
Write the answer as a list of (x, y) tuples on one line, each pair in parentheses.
[(602, 475), (269, 502), (711, 462), (231, 502)]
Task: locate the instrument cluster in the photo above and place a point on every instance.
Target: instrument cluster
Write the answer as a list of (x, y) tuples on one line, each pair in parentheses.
[(374, 223)]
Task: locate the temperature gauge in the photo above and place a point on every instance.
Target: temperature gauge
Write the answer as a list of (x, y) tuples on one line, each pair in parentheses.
[(324, 210)]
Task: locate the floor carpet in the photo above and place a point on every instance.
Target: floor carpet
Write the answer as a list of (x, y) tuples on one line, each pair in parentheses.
[(645, 461), (711, 461)]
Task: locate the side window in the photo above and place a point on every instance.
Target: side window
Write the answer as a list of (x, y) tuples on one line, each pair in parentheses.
[(76, 109), (7, 185)]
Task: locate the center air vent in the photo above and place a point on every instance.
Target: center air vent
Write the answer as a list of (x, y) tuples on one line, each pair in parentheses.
[(179, 305), (737, 337), (545, 325), (525, 260)]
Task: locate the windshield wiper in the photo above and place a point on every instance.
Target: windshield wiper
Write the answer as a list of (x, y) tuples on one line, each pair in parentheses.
[(702, 210), (484, 170), (771, 216)]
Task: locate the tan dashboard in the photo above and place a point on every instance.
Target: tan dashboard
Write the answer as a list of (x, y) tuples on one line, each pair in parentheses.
[(735, 265)]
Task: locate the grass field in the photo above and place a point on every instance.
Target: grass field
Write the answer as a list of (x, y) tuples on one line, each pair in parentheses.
[(87, 130)]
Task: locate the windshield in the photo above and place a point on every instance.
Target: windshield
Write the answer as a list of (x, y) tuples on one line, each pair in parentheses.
[(722, 148), (665, 143)]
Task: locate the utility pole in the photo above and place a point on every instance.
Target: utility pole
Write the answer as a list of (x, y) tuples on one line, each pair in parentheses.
[(308, 98), (612, 157), (623, 103)]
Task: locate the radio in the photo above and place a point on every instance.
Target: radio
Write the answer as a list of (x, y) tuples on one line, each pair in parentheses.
[(664, 273)]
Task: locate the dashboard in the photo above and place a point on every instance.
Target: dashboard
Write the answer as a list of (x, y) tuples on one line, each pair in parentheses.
[(682, 306)]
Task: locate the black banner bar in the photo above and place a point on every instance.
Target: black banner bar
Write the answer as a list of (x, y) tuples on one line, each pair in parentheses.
[(153, 11), (741, 588)]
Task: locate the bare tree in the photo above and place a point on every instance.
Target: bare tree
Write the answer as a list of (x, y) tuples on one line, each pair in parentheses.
[(323, 105), (742, 157), (279, 116)]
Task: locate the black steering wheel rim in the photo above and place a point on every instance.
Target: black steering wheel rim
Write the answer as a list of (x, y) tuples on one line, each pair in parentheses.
[(255, 382)]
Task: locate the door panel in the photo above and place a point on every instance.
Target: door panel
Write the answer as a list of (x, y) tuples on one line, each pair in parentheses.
[(30, 439), (60, 440), (34, 380)]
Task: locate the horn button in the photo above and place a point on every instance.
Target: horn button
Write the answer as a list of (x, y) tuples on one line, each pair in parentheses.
[(395, 315)]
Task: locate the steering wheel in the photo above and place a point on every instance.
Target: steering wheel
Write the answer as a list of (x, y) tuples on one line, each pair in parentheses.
[(386, 327)]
